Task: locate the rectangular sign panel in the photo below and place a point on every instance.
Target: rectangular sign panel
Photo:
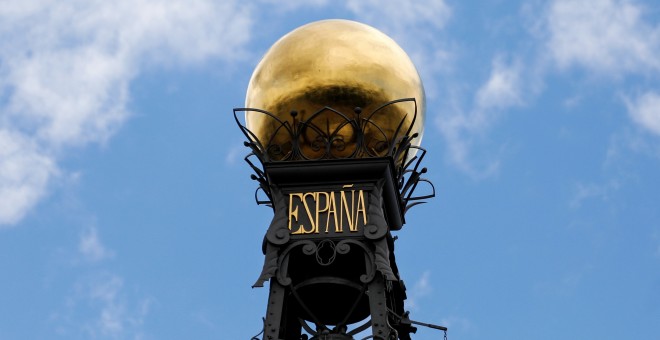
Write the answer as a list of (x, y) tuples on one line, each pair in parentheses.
[(335, 212)]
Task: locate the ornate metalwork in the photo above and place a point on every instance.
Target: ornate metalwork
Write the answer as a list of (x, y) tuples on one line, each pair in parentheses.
[(340, 179), (315, 139), (349, 136), (332, 250), (330, 135)]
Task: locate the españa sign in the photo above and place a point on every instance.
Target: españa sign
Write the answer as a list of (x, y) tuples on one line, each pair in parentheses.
[(337, 212)]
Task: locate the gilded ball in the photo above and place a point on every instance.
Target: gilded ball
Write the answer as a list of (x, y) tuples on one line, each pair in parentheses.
[(348, 66)]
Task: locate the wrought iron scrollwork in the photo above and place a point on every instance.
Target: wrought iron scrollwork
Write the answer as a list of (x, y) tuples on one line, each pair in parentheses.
[(315, 138), (325, 252), (409, 177), (357, 135), (327, 257)]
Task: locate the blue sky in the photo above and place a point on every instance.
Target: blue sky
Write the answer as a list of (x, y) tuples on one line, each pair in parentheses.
[(126, 211)]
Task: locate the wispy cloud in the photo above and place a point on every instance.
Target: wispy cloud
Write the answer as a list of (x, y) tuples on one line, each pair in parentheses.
[(420, 289), (614, 39), (645, 111), (66, 67), (99, 306), (609, 36), (24, 174), (400, 17), (461, 129), (100, 309), (585, 192), (91, 248), (235, 153), (503, 88), (106, 293)]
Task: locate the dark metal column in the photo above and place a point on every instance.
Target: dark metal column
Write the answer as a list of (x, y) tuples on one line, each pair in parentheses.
[(378, 307), (274, 311)]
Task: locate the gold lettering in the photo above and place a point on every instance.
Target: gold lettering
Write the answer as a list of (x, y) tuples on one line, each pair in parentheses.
[(314, 227), (332, 210), (344, 208), (294, 213), (319, 210), (337, 206), (361, 208)]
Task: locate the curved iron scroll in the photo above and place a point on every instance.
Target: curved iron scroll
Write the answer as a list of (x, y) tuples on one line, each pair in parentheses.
[(312, 248)]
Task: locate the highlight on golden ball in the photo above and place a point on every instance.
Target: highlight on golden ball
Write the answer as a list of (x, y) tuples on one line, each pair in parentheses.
[(339, 64)]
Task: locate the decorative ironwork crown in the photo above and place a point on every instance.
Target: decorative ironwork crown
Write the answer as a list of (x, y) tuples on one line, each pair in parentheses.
[(330, 134)]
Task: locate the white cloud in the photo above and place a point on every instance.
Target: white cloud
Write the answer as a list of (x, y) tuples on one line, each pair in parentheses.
[(503, 88), (421, 289), (24, 174), (629, 143), (114, 317), (588, 191), (609, 36), (423, 285), (99, 305), (645, 111), (612, 38), (461, 129), (66, 67), (400, 16), (91, 248), (235, 153), (106, 293)]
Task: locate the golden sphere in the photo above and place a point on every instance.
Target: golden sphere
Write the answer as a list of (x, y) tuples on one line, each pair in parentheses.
[(340, 64)]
